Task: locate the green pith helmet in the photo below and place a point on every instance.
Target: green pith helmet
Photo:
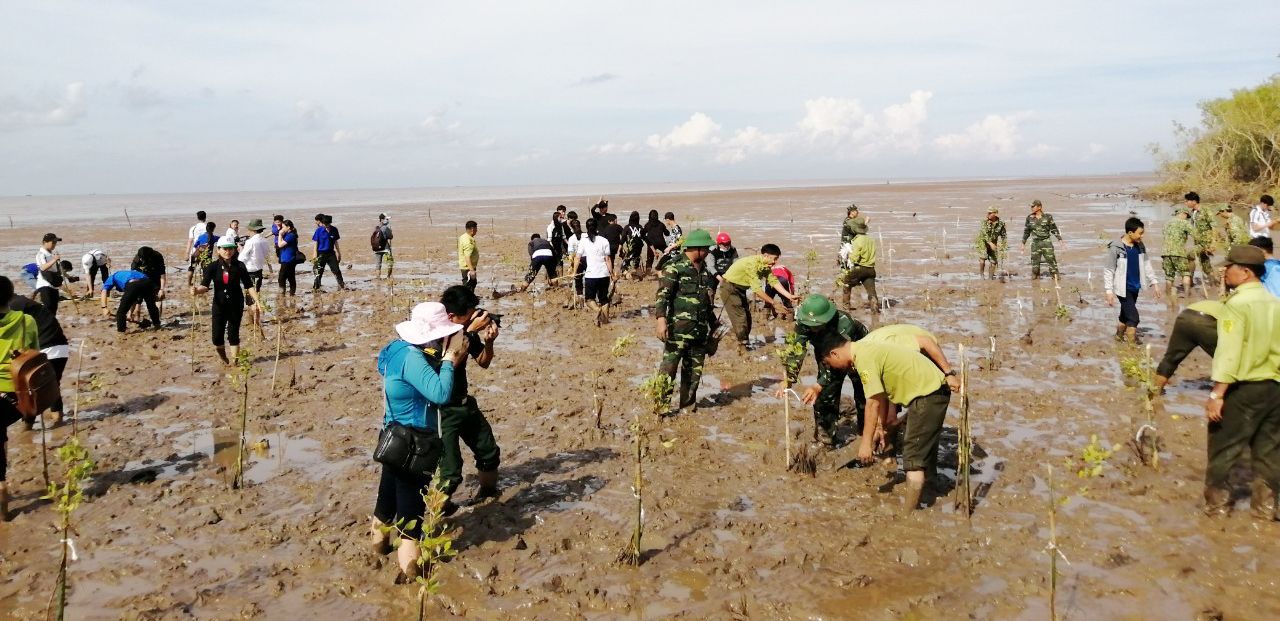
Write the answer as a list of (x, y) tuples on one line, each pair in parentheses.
[(699, 238), (816, 310)]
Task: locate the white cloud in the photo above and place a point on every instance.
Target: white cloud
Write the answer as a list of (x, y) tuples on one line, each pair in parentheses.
[(1042, 150), (698, 131), (995, 137), (1093, 150), (310, 115), (844, 128), (614, 148), (531, 156), (44, 111), (434, 129), (750, 141)]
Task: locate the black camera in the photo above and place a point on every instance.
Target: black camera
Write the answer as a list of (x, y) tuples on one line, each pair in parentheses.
[(494, 317)]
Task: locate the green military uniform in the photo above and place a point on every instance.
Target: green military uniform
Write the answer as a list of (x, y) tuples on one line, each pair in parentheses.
[(817, 322), (1174, 256), (461, 419), (1039, 230), (1237, 231), (1202, 236), (684, 300), (991, 233), (853, 220), (1247, 359)]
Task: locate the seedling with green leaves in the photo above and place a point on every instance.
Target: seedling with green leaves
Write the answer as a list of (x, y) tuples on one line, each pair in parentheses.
[(621, 345), (436, 543), (67, 497), (791, 354), (1093, 459), (244, 369)]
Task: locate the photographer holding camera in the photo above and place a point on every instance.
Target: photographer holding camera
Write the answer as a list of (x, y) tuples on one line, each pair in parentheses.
[(460, 417)]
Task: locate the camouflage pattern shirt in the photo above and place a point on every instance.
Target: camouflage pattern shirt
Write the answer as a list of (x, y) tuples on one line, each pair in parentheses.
[(1237, 231), (993, 232), (1176, 234), (840, 326), (684, 299), (1039, 229), (1202, 229), (847, 231)]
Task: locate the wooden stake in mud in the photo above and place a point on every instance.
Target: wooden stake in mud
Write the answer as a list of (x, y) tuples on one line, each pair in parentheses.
[(1057, 289), (279, 337), (1053, 547), (75, 405), (630, 554), (238, 481), (786, 423), (126, 218), (193, 332), (964, 448)]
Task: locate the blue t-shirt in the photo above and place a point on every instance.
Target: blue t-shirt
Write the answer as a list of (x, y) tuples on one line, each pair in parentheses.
[(1133, 273), (121, 278), (324, 243), (206, 239), (290, 251), (1271, 277), (412, 388)]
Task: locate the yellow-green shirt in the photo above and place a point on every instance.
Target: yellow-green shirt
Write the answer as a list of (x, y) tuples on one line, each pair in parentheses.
[(900, 373), (1248, 337), (467, 250), (18, 331), (903, 334), (747, 272), (862, 253)]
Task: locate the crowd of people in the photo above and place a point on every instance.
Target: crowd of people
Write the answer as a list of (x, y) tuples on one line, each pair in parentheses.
[(901, 380)]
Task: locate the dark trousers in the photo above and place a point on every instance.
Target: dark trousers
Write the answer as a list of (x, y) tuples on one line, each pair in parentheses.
[(632, 260), (924, 429), (1129, 308), (400, 500), (59, 366), (48, 298), (330, 260), (826, 409), (1250, 419), (467, 423), (1192, 329), (540, 263), (140, 290), (468, 280), (226, 322), (738, 310), (8, 415), (94, 271), (859, 275), (288, 277)]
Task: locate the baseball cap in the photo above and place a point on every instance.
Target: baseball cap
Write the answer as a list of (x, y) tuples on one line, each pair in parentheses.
[(226, 242), (1245, 255), (51, 237)]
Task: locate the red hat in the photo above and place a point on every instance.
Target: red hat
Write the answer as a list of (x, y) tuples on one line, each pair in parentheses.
[(723, 238)]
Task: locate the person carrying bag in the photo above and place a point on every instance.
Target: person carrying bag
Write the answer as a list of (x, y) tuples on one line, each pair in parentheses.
[(409, 445)]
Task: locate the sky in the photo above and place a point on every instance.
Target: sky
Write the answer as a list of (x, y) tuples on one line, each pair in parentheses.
[(138, 97)]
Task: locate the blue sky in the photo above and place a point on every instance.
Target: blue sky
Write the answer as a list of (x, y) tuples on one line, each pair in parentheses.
[(167, 96)]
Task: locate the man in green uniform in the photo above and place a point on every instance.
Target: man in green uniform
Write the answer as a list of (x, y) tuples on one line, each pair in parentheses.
[(993, 242), (895, 375), (1243, 408), (818, 321), (860, 268), (1235, 231), (1174, 257), (1039, 227), (685, 315), (853, 219), (1202, 236), (745, 276)]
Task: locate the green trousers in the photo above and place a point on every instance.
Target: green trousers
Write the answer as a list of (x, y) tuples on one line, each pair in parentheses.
[(687, 353), (467, 423), (738, 309), (826, 409), (924, 430), (1250, 419), (1042, 252)]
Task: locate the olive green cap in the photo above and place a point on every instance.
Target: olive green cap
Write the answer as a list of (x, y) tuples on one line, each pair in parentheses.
[(1245, 255), (699, 238), (1037, 203), (851, 208), (993, 209), (816, 310)]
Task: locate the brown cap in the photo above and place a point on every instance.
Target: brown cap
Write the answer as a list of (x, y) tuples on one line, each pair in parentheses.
[(1245, 255), (1037, 203)]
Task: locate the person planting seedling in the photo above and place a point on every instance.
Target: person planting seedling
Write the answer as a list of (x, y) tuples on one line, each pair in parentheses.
[(746, 275), (895, 375), (818, 321)]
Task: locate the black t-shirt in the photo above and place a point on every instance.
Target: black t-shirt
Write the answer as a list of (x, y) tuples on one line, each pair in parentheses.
[(333, 233), (655, 234), (435, 356), (150, 263), (613, 233), (228, 280), (51, 333), (539, 244)]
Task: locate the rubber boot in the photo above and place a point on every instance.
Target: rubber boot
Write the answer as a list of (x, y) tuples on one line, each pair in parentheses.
[(379, 537), (488, 484), (1217, 501), (912, 491), (1035, 273), (844, 297), (407, 555), (1263, 503), (4, 502)]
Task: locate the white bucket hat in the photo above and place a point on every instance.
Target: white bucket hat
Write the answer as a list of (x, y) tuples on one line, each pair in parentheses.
[(426, 323)]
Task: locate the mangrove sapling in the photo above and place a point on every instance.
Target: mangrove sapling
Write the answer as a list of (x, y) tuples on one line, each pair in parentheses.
[(67, 498), (1146, 443), (810, 260), (791, 354), (1061, 311), (1093, 459), (436, 543), (1052, 547), (630, 554), (244, 365), (621, 345), (597, 404)]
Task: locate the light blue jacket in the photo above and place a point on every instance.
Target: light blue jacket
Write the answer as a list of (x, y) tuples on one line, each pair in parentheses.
[(1271, 278), (412, 390)]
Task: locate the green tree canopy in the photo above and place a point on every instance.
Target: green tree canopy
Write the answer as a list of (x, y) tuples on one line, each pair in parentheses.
[(1234, 154)]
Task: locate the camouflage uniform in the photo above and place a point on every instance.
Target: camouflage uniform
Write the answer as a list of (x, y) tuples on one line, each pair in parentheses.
[(1237, 231), (684, 299), (851, 225), (826, 410), (1202, 235), (1039, 230), (993, 232), (1175, 257)]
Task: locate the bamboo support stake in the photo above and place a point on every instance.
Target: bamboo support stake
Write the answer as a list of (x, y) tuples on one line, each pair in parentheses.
[(1053, 547), (964, 449), (75, 405), (786, 425), (279, 337)]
